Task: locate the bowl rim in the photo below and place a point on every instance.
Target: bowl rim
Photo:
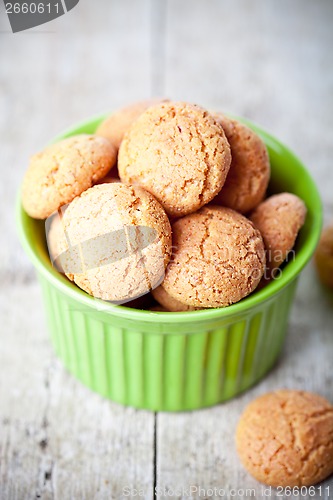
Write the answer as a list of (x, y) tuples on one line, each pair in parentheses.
[(290, 272)]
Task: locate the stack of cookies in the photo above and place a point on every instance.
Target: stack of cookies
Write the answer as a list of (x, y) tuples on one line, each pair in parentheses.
[(167, 198)]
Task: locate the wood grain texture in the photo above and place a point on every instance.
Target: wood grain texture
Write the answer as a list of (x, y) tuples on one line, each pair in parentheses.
[(198, 448), (57, 439), (269, 61)]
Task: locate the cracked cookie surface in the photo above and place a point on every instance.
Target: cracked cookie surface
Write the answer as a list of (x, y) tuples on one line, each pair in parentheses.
[(107, 220), (169, 303), (248, 178), (279, 219), (179, 153), (218, 258), (115, 125), (285, 438), (63, 171)]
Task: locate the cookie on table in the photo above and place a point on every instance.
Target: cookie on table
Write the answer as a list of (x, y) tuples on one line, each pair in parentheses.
[(168, 303), (120, 241), (249, 173), (63, 171), (115, 125), (285, 438), (179, 153), (279, 219), (218, 258), (324, 257)]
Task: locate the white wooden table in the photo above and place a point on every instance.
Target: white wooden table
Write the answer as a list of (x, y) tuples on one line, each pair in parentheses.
[(267, 60)]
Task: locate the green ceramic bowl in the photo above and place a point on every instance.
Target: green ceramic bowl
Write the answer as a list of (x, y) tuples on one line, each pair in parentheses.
[(175, 361)]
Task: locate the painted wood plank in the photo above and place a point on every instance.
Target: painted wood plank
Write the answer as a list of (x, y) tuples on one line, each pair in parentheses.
[(59, 440), (197, 448), (267, 61), (90, 61)]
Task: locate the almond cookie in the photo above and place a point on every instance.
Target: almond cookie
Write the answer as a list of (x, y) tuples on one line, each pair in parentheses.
[(218, 258), (249, 173), (56, 239), (179, 153), (279, 219), (285, 438), (63, 171), (119, 241), (169, 303), (115, 125), (324, 257), (55, 235)]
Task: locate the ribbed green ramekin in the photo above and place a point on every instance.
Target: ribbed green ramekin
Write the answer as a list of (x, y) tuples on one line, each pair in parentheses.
[(175, 361)]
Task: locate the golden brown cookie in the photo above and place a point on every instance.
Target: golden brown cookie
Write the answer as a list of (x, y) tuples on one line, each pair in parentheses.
[(324, 257), (285, 438), (179, 153), (115, 125), (63, 171), (56, 239), (218, 258), (249, 172), (120, 241), (279, 219), (169, 303)]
